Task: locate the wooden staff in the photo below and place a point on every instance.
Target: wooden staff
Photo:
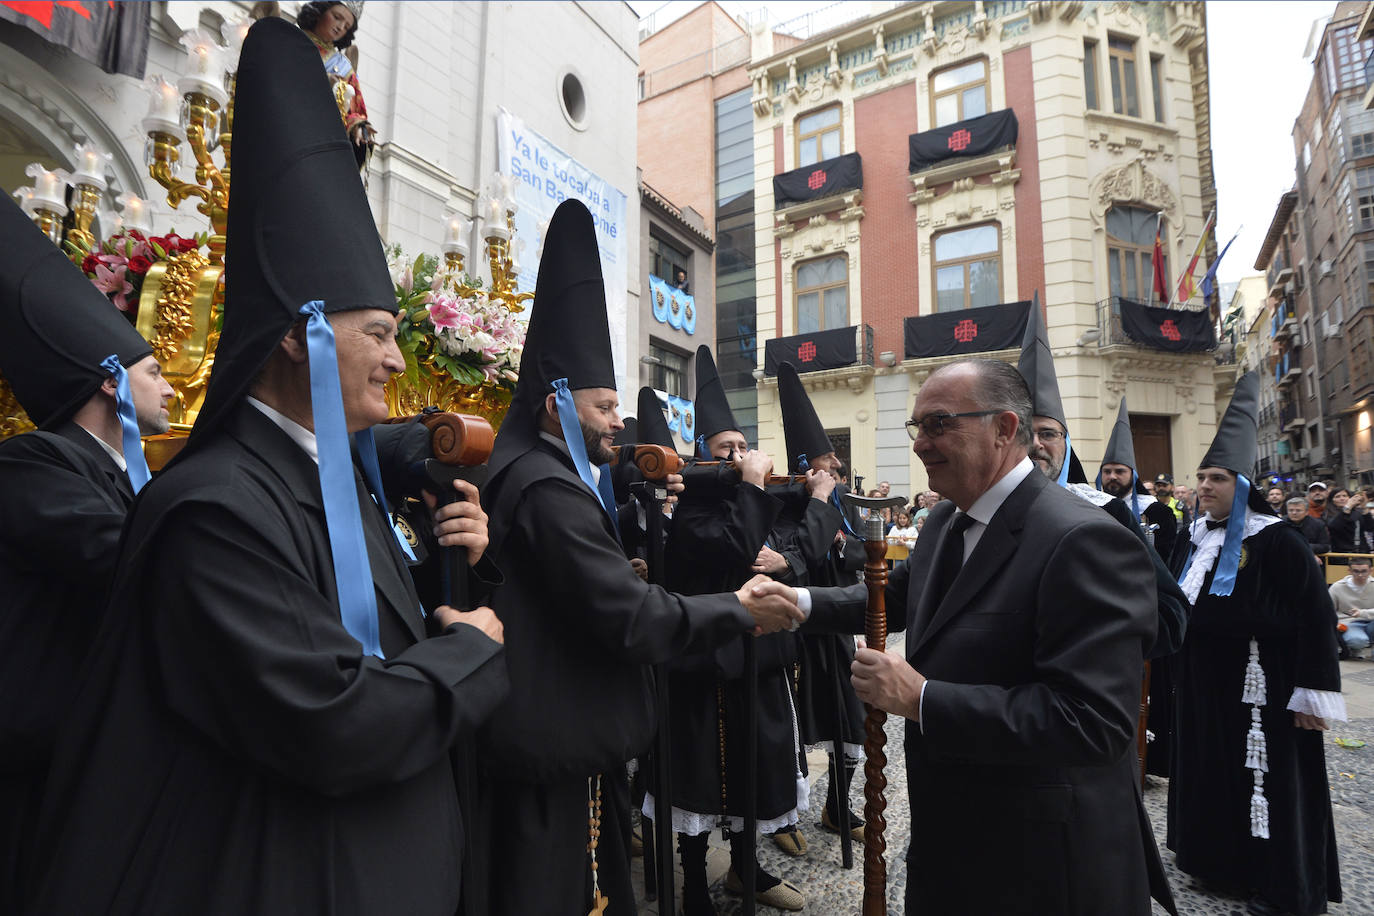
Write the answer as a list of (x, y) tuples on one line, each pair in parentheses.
[(875, 739), (659, 872), (461, 445)]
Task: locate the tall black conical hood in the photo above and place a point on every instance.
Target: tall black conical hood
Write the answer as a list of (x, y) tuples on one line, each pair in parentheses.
[(713, 410), (802, 429), (653, 426), (56, 328), (569, 334), (630, 434), (1236, 445), (300, 228), (1121, 447), (1037, 367)]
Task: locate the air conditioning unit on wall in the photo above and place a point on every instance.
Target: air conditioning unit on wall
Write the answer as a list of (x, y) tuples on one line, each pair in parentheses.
[(1328, 268)]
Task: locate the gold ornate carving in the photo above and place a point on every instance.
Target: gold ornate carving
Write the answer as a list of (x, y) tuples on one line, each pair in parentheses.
[(441, 390), (13, 419)]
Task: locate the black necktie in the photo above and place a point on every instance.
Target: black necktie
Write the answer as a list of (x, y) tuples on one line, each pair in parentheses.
[(951, 557), (1213, 524)]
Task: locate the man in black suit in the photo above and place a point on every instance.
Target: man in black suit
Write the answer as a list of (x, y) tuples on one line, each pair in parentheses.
[(1027, 614)]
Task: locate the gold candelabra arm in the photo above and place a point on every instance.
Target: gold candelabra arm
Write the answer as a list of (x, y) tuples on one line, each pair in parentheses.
[(85, 200)]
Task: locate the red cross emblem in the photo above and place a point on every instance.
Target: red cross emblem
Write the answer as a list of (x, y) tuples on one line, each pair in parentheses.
[(806, 352), (1170, 330), (959, 140), (966, 330), (816, 180)]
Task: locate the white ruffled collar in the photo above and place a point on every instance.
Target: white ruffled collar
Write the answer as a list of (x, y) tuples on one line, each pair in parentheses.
[(1209, 541)]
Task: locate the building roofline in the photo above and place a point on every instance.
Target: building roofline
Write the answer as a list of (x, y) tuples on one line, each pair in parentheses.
[(674, 213), (1287, 201)]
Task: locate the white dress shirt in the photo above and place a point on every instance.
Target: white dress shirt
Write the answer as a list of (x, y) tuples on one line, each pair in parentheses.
[(299, 434)]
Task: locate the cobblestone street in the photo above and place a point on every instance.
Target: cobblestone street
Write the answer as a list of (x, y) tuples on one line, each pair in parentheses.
[(829, 889)]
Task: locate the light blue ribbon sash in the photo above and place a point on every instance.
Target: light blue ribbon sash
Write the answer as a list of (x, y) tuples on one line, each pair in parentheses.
[(577, 448), (1063, 480), (1228, 564), (352, 573), (128, 423)]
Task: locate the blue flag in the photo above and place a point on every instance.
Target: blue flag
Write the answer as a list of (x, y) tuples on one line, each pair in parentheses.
[(1209, 280)]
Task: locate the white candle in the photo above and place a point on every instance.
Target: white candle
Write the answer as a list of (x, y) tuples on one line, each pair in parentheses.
[(164, 108), (495, 218), (135, 212), (49, 187), (233, 33), (205, 66), (91, 166), (456, 236)]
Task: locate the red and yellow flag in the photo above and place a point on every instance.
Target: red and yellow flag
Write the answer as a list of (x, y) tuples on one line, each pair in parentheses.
[(1186, 287)]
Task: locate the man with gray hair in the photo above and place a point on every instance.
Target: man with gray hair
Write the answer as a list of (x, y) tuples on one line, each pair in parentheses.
[(1027, 613)]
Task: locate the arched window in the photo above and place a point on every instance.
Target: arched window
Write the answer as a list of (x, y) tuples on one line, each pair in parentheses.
[(968, 268), (822, 294), (1130, 251), (959, 92)]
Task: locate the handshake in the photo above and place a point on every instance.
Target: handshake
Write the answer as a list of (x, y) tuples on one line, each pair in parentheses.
[(772, 605)]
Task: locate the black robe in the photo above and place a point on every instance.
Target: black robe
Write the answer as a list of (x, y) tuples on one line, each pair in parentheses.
[(827, 707), (230, 749), (1280, 600), (717, 534), (582, 631), (62, 506)]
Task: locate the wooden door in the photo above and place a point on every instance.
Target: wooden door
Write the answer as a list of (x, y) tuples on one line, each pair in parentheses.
[(1154, 447)]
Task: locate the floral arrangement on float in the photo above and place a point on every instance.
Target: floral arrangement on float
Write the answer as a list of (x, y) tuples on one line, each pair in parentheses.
[(120, 264), (460, 335)]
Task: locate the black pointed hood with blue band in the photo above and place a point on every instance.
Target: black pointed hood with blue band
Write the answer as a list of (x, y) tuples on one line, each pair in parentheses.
[(653, 425), (802, 430), (295, 181), (1121, 450), (60, 337), (1236, 448), (300, 227), (567, 345), (713, 409), (1036, 366)]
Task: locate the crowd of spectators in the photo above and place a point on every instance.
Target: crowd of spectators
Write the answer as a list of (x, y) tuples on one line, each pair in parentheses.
[(1337, 521)]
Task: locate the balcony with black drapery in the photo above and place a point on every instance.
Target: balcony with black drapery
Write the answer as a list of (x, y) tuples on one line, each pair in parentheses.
[(837, 348), (1170, 330), (967, 139), (827, 178), (965, 331)]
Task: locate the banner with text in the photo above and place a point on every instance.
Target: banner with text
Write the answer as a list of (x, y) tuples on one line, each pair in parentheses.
[(549, 176)]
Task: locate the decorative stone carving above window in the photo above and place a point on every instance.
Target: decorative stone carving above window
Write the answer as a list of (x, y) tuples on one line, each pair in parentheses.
[(1131, 183)]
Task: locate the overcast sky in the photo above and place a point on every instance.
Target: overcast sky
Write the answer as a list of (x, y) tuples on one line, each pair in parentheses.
[(1258, 81)]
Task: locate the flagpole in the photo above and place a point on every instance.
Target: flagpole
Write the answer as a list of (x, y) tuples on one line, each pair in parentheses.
[(1155, 268), (1193, 264)]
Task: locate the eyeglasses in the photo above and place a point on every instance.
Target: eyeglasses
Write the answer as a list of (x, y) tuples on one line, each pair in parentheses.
[(1047, 435), (933, 425)]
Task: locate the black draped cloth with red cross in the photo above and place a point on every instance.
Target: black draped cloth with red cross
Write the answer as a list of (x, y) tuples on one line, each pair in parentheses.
[(812, 182), (113, 36), (1174, 330), (812, 352), (973, 137), (980, 330)]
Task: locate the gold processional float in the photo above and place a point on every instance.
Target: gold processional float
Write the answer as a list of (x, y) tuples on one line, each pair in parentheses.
[(460, 338)]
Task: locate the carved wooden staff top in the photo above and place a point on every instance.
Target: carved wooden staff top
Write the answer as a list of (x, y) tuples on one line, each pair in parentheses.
[(875, 739)]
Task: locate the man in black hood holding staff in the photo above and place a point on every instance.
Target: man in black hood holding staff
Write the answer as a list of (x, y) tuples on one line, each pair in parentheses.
[(582, 628)]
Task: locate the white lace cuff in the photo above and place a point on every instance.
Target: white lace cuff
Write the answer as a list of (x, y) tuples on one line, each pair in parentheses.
[(1328, 704)]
